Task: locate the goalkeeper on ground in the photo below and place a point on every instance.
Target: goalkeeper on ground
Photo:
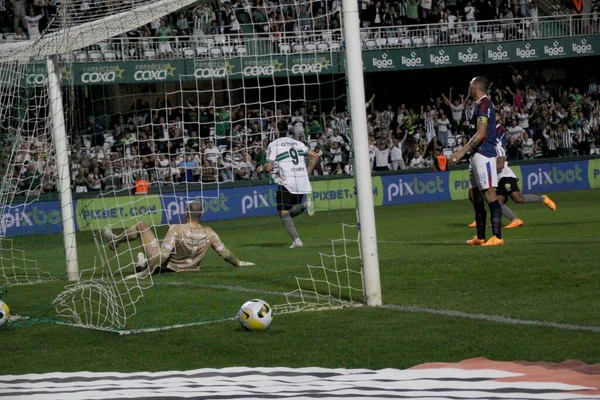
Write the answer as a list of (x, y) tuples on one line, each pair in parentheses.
[(183, 249)]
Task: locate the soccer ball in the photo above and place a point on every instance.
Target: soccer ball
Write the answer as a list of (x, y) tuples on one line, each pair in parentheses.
[(255, 315), (4, 313)]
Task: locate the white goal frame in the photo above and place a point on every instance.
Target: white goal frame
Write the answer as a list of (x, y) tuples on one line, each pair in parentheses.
[(360, 144), (362, 171)]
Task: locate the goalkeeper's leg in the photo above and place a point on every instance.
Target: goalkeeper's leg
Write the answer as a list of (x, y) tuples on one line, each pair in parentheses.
[(142, 229), (150, 257)]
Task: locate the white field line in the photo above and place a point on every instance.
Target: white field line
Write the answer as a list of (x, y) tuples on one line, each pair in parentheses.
[(493, 318), (588, 239)]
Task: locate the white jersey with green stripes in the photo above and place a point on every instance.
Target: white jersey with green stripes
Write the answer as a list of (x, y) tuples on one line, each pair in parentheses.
[(288, 158)]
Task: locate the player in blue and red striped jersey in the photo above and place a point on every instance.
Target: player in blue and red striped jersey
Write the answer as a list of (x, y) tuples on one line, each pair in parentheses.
[(483, 176)]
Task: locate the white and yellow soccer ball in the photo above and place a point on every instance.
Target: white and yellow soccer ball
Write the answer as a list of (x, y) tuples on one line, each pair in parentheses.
[(4, 312), (255, 315)]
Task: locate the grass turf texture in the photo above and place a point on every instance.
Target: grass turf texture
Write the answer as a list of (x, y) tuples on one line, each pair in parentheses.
[(547, 271)]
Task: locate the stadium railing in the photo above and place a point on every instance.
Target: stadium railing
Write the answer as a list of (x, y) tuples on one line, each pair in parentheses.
[(429, 35)]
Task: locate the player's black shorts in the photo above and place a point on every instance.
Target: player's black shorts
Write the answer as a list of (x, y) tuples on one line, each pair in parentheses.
[(287, 200), (506, 186)]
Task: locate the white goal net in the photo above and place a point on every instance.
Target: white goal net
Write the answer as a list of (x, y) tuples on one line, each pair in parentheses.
[(162, 103)]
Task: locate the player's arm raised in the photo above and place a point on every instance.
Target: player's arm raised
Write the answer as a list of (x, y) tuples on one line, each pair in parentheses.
[(482, 122)]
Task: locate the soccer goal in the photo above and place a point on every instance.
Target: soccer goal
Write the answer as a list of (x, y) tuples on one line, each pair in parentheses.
[(117, 116)]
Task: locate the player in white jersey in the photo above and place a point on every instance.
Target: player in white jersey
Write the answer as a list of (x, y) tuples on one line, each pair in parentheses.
[(285, 157), (183, 249), (508, 187)]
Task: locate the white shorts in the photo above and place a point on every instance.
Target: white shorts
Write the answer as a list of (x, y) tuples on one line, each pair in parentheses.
[(164, 48), (482, 172)]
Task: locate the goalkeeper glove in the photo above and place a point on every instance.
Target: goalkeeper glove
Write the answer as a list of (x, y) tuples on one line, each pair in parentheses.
[(245, 264)]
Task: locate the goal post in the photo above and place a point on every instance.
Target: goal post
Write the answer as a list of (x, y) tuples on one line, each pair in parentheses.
[(63, 171), (227, 99), (360, 140)]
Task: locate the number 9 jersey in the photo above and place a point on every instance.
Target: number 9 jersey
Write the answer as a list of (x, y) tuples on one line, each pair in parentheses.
[(288, 155)]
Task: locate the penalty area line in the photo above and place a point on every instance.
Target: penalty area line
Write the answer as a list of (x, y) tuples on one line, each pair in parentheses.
[(493, 318)]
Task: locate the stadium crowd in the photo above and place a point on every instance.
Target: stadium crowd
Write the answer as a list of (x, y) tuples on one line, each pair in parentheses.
[(207, 143), (191, 142), (23, 19)]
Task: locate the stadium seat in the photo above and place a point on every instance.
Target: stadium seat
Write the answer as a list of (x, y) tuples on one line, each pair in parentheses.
[(188, 52), (448, 152), (310, 46), (327, 36), (94, 55), (322, 46), (227, 50), (429, 40), (202, 51), (216, 52), (381, 42), (284, 48), (476, 36), (298, 47), (241, 50), (487, 36), (364, 35), (149, 54), (417, 41), (370, 44), (109, 55), (335, 45), (499, 36), (393, 41), (406, 42), (451, 141)]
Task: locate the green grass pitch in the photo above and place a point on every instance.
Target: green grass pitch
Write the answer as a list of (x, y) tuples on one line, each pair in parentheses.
[(548, 271)]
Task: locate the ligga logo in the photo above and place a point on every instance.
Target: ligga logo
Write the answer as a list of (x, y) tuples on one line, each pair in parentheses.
[(412, 61), (469, 56), (555, 50), (527, 52), (383, 62), (583, 47), (498, 55), (440, 59)]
